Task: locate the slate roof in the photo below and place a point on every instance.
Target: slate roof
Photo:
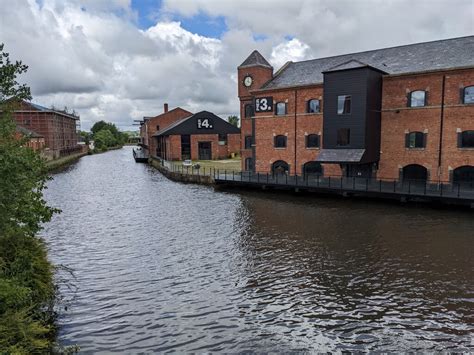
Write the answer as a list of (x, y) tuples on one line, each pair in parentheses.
[(419, 57), (28, 133), (255, 59), (171, 126), (341, 155)]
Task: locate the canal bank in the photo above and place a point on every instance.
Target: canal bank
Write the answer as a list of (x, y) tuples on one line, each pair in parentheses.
[(162, 266), (442, 193)]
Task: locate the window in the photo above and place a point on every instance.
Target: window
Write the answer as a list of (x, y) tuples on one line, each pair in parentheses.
[(468, 95), (312, 141), (248, 142), (249, 110), (343, 104), (26, 121), (157, 127), (280, 108), (466, 139), (343, 136), (222, 139), (415, 140), (314, 106), (280, 141), (417, 98)]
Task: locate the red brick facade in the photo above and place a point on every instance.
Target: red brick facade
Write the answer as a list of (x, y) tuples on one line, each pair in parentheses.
[(153, 125), (396, 121), (58, 128)]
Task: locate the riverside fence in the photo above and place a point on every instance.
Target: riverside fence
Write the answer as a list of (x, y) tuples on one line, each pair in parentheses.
[(463, 191)]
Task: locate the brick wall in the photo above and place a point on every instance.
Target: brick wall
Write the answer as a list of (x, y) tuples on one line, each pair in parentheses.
[(398, 119)]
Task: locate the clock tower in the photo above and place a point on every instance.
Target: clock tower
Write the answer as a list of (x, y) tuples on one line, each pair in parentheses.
[(253, 73)]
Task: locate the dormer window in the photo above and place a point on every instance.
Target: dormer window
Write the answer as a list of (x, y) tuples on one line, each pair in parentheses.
[(314, 106), (417, 98), (468, 95), (280, 108), (343, 104)]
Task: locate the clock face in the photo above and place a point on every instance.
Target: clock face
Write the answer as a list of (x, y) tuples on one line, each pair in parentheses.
[(248, 81)]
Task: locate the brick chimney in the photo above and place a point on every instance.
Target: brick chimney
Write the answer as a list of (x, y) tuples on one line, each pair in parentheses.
[(165, 107)]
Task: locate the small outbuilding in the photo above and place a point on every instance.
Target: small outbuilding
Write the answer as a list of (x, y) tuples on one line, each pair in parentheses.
[(201, 136)]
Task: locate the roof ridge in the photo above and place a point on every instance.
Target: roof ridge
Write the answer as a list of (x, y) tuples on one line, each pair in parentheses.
[(384, 48)]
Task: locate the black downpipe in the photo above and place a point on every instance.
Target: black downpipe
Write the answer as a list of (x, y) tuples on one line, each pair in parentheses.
[(441, 127), (296, 97)]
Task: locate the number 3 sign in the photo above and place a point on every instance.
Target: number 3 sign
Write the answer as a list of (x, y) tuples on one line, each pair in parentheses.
[(264, 104)]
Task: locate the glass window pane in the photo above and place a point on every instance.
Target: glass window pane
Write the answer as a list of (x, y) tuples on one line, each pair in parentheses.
[(467, 139), (281, 108), (417, 98), (343, 104), (343, 136), (313, 106), (469, 95)]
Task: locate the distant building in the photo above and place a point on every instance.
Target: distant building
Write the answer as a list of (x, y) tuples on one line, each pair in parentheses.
[(401, 113), (35, 141), (151, 125), (57, 128), (202, 136)]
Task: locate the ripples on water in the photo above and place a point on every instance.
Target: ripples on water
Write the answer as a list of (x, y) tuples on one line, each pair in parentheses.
[(163, 266)]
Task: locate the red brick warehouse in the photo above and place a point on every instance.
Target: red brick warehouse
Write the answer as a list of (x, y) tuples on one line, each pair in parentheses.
[(404, 112), (202, 136), (58, 129)]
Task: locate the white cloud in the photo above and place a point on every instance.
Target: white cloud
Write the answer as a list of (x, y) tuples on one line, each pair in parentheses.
[(91, 56), (293, 50)]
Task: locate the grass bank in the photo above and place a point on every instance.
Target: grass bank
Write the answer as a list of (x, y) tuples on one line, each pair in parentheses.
[(64, 161)]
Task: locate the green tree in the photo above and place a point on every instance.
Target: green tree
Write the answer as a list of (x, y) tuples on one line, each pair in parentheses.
[(233, 120), (104, 139), (26, 277)]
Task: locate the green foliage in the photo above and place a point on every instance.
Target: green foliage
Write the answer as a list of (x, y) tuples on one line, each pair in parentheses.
[(104, 139), (26, 277), (119, 138), (233, 120), (86, 136)]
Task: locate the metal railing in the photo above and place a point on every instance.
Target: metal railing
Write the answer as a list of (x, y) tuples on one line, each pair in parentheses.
[(463, 190)]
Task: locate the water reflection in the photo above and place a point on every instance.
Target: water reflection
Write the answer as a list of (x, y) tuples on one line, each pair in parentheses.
[(163, 266)]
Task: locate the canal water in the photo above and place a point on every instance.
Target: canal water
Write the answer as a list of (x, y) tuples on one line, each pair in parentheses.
[(162, 266)]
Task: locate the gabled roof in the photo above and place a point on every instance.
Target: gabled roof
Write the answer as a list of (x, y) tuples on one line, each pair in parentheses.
[(28, 133), (188, 126), (255, 59), (420, 57), (165, 113)]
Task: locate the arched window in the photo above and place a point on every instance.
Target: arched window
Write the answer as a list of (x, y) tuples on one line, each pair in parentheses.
[(280, 141), (312, 141), (466, 139), (248, 110), (248, 142), (415, 140), (280, 167), (312, 168), (463, 174), (280, 108), (417, 98), (314, 106), (468, 95), (248, 164), (415, 172)]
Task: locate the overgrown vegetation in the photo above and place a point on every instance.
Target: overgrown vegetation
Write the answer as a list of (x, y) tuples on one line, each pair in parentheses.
[(106, 135), (27, 290)]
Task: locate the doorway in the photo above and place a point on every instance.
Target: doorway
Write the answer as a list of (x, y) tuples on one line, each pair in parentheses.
[(205, 151)]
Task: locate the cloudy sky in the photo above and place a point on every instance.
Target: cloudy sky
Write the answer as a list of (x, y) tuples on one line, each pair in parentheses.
[(120, 60)]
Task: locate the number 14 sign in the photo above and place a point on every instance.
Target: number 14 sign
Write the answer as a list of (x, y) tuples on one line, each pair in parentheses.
[(264, 104), (204, 123)]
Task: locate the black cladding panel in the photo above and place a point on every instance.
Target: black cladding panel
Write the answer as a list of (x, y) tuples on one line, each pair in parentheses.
[(364, 85)]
